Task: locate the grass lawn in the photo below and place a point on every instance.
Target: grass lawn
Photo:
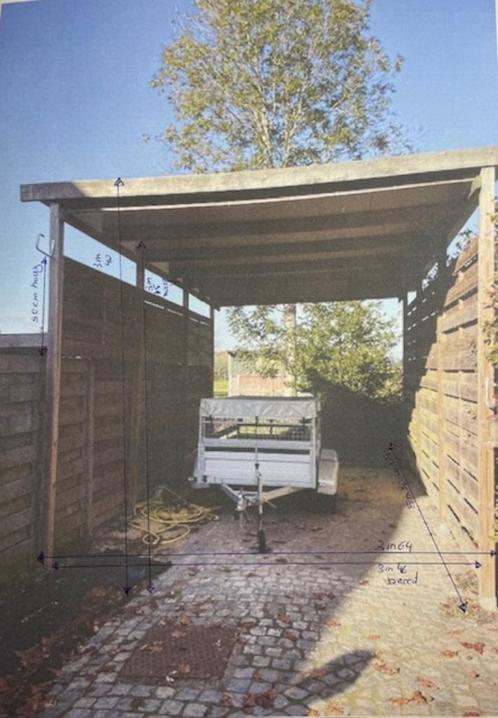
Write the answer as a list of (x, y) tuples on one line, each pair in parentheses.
[(220, 387)]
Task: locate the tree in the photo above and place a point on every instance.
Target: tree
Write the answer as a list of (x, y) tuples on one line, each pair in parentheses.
[(341, 344), (275, 83)]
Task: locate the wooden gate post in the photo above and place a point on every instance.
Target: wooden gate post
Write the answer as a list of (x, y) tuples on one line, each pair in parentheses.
[(53, 376), (485, 388)]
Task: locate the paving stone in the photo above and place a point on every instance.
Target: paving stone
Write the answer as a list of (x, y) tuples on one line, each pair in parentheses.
[(261, 661), (97, 691), (140, 691), (106, 678), (283, 663), (296, 694), (274, 652), (120, 689), (210, 696), (149, 705), (164, 692), (106, 702), (294, 710), (267, 674), (280, 702), (194, 710), (187, 694), (171, 707), (238, 685), (85, 702)]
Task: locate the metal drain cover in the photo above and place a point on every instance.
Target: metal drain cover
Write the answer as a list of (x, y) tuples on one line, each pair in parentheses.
[(181, 651)]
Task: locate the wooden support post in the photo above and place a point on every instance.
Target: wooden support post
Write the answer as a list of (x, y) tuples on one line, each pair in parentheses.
[(138, 391), (90, 442), (183, 443), (420, 371), (441, 425), (53, 376), (485, 378), (404, 385), (185, 326), (211, 325)]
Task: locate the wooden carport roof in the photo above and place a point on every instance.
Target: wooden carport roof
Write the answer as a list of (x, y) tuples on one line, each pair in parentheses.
[(355, 230)]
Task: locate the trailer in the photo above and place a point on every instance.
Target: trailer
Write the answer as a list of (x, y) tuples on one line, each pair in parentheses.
[(257, 449)]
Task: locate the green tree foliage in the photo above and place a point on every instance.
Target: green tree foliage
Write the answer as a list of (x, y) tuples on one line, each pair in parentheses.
[(276, 83), (341, 344)]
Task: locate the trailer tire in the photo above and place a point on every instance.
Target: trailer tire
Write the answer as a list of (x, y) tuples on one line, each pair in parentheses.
[(261, 541)]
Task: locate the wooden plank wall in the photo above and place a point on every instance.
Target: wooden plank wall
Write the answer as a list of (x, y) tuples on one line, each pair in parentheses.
[(21, 377), (441, 392), (98, 391), (94, 306)]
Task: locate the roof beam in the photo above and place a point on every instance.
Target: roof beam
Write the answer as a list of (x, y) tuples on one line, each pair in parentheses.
[(405, 168), (310, 229)]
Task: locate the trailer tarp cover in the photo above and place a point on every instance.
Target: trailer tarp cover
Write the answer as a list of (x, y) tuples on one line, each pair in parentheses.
[(262, 407)]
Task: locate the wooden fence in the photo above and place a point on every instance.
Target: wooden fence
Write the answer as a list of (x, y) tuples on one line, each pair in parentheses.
[(440, 348), (111, 429)]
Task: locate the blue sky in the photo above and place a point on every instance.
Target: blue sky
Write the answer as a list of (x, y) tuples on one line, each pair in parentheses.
[(75, 103)]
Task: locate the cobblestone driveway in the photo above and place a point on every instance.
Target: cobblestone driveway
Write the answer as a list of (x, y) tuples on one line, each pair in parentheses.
[(361, 638)]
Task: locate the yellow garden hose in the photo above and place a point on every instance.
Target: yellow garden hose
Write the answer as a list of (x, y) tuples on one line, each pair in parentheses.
[(163, 523)]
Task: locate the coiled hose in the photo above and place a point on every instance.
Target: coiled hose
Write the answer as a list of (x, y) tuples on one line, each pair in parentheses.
[(164, 523)]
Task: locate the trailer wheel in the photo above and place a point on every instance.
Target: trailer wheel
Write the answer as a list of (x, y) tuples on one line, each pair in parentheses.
[(261, 541)]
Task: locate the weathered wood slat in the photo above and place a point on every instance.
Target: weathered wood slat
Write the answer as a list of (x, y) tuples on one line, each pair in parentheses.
[(459, 316), (468, 255), (465, 283)]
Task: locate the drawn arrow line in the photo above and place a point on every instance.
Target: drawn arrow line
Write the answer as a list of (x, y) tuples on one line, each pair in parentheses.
[(274, 553), (475, 564), (395, 463)]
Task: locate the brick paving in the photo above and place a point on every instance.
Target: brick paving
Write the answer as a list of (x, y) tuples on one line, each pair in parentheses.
[(361, 638)]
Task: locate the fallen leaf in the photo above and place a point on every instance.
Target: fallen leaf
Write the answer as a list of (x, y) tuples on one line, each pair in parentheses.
[(184, 667), (471, 673), (313, 713), (381, 667), (416, 697), (249, 700), (226, 700), (426, 683), (154, 647), (264, 699), (373, 637), (317, 673), (365, 582), (178, 634), (333, 623), (478, 647), (282, 616), (334, 708), (449, 654), (184, 620)]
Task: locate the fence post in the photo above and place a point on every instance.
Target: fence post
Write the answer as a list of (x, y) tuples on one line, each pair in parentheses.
[(485, 386)]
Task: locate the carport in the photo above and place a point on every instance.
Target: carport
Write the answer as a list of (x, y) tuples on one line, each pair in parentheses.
[(357, 230)]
